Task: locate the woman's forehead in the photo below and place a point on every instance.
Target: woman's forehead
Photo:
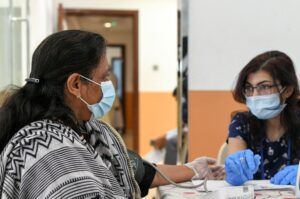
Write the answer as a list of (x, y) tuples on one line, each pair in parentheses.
[(259, 76), (102, 68)]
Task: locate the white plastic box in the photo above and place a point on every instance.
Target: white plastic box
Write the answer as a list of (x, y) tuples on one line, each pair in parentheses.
[(237, 192)]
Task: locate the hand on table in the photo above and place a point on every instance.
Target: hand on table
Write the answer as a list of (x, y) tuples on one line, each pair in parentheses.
[(204, 167), (241, 166), (286, 176)]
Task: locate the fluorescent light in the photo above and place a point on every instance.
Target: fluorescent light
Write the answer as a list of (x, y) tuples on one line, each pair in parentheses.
[(107, 25)]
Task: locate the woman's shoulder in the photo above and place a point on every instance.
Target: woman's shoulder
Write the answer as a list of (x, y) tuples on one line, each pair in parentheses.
[(43, 126), (239, 121), (39, 138), (43, 133), (240, 116), (240, 126)]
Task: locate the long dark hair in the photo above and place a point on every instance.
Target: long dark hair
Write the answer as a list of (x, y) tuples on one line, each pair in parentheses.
[(281, 68), (58, 56)]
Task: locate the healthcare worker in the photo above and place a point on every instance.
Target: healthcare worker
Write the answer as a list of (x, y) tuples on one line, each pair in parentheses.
[(264, 142)]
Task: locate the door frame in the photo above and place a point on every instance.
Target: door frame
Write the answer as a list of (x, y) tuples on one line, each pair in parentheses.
[(117, 13), (123, 54)]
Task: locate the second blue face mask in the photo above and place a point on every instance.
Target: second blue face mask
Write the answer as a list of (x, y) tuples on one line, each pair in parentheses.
[(101, 108), (265, 106)]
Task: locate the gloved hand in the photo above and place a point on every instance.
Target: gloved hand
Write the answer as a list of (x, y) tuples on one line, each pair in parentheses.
[(286, 176), (204, 168), (217, 172), (241, 166)]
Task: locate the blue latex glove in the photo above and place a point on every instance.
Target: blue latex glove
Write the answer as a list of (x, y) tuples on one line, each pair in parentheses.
[(286, 176), (241, 166)]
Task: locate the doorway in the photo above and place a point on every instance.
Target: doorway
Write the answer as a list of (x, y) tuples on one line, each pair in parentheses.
[(120, 29)]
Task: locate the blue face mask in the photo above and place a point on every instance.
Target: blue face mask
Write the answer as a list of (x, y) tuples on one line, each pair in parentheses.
[(101, 108), (265, 106)]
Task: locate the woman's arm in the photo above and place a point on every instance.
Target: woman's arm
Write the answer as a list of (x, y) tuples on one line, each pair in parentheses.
[(177, 173), (236, 144), (238, 133), (200, 168)]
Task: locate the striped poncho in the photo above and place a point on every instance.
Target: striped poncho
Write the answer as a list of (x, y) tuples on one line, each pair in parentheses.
[(46, 159)]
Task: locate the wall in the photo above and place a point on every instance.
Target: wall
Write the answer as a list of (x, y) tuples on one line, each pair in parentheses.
[(5, 50), (13, 43), (223, 37), (41, 21)]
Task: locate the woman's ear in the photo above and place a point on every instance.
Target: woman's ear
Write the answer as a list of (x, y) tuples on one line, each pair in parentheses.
[(73, 84), (288, 91)]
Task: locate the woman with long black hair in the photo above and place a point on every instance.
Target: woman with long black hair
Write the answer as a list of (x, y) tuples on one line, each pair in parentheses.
[(51, 143)]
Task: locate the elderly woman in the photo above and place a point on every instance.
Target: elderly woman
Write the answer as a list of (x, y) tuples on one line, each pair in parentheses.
[(51, 144)]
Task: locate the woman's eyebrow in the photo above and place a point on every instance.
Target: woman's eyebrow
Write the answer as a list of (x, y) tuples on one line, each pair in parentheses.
[(108, 72), (264, 81), (259, 83), (105, 75)]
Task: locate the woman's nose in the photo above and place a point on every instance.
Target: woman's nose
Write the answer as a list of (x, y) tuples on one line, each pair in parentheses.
[(255, 93)]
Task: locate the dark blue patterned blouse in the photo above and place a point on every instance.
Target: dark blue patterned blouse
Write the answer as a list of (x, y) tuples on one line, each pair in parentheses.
[(275, 153)]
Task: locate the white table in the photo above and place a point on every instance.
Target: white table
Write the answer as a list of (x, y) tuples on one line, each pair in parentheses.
[(172, 192)]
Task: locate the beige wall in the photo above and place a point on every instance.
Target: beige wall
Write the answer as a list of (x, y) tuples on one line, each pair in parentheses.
[(209, 114), (159, 116)]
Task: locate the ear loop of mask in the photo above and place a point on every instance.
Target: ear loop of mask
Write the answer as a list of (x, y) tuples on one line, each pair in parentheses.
[(280, 92), (90, 80), (79, 97)]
